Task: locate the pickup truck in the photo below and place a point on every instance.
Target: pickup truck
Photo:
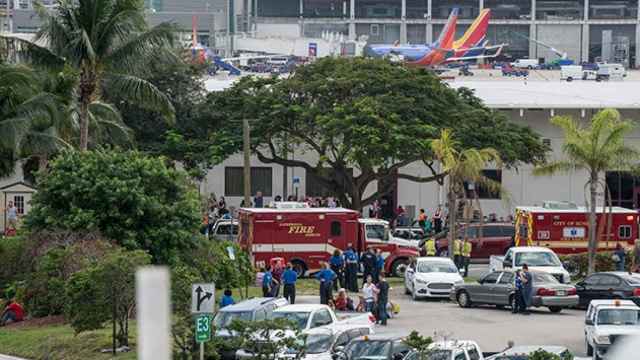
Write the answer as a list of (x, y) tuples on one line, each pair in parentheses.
[(455, 350), (608, 320), (537, 259)]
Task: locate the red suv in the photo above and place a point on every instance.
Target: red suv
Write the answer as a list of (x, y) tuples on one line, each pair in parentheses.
[(496, 239)]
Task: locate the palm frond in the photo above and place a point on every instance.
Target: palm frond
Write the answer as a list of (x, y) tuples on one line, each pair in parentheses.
[(554, 167), (140, 92)]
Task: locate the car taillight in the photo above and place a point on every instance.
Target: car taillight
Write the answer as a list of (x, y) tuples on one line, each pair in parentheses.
[(572, 291), (546, 292), (636, 292)]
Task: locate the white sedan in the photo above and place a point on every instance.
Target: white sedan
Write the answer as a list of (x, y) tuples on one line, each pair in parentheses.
[(431, 277)]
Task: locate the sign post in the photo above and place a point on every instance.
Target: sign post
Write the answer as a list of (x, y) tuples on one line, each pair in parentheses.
[(202, 304)]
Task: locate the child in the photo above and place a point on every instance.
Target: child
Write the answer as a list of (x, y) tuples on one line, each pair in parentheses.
[(227, 299)]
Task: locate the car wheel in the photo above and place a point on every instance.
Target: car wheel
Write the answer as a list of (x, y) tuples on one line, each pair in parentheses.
[(589, 349), (463, 299), (406, 288), (555, 309), (512, 302), (399, 267), (414, 296)]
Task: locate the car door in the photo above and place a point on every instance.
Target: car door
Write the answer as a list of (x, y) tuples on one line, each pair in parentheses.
[(503, 289), (588, 289), (483, 293)]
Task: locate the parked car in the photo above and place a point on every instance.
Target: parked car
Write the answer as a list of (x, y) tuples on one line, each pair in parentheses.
[(537, 258), (408, 233), (309, 316), (486, 239), (522, 352), (255, 309), (431, 277), (323, 343), (454, 350), (526, 63), (497, 288), (225, 229), (609, 285), (375, 347), (608, 320)]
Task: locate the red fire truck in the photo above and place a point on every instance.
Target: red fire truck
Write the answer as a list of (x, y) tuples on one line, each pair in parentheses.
[(565, 229), (308, 236)]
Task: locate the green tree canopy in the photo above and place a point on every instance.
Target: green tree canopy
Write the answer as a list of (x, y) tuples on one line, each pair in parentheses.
[(137, 201), (364, 114)]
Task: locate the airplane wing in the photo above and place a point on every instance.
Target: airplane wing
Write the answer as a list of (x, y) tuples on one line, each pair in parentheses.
[(494, 51)]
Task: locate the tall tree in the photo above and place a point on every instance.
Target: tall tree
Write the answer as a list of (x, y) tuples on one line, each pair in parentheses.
[(463, 167), (109, 44), (594, 148), (362, 119)]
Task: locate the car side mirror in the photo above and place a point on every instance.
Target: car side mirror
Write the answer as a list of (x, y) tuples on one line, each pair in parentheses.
[(588, 322), (338, 349)]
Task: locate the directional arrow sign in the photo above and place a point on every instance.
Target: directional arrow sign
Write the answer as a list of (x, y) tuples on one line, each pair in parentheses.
[(202, 298)]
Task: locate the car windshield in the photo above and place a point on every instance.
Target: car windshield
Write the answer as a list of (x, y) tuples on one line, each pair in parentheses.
[(537, 259), (318, 343), (544, 278), (439, 355), (368, 350), (299, 318), (224, 318), (426, 267), (618, 317)]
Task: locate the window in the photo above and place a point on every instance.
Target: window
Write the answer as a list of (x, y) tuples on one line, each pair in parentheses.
[(342, 340), (471, 232), (508, 231), (18, 201), (492, 231), (261, 314), (321, 318), (336, 228), (473, 354), (374, 30), (491, 278), (261, 180), (609, 281), (507, 257), (460, 356), (624, 231), (507, 278), (592, 280)]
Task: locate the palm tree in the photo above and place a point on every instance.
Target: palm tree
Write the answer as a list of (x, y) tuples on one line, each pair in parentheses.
[(463, 167), (595, 149), (108, 44)]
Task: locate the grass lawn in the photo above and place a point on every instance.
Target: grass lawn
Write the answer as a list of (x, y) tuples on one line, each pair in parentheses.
[(58, 341)]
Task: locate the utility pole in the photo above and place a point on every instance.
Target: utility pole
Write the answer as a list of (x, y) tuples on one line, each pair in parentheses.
[(246, 149)]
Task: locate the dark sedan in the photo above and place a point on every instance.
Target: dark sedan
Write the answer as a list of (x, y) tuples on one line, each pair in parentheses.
[(609, 285), (497, 288)]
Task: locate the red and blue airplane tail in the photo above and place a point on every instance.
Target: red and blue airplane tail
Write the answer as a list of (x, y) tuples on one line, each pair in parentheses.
[(471, 43), (444, 41)]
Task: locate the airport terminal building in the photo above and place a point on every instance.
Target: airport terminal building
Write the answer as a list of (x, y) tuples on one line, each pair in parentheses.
[(586, 30)]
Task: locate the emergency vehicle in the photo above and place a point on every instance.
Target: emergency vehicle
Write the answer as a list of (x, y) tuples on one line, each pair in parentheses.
[(308, 236), (565, 228)]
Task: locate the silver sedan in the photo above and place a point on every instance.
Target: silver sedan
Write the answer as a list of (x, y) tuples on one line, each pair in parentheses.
[(497, 288)]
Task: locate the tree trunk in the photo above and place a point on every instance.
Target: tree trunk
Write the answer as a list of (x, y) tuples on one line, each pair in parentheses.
[(43, 162), (87, 91), (451, 205), (593, 240), (114, 317)]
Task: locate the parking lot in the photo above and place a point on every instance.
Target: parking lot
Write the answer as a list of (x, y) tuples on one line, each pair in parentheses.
[(492, 328)]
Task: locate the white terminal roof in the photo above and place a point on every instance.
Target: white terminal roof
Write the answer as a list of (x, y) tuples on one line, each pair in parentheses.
[(500, 94)]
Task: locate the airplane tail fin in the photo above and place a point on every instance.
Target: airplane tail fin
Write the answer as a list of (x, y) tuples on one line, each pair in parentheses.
[(476, 33), (447, 36)]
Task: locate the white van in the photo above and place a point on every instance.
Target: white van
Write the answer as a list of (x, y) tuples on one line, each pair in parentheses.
[(571, 72), (526, 63), (611, 71)]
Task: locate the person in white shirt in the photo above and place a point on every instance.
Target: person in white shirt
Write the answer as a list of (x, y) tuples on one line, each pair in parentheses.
[(369, 292)]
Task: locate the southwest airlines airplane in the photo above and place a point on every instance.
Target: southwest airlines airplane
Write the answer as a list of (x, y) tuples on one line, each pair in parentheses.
[(471, 46)]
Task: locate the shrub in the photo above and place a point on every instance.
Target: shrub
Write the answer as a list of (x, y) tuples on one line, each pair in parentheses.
[(211, 260), (138, 201), (578, 264), (12, 253)]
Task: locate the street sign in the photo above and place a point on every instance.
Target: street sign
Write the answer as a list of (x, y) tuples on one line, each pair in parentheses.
[(203, 328), (231, 252), (202, 298)]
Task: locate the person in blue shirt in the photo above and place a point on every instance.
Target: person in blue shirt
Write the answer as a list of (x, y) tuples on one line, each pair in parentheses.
[(289, 279), (351, 269), (518, 303), (379, 263), (227, 299), (326, 276), (337, 265), (267, 280)]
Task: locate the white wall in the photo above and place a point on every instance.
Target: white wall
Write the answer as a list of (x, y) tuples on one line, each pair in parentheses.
[(287, 30)]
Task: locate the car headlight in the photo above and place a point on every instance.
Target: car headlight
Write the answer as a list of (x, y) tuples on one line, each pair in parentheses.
[(420, 281), (459, 282), (603, 340)]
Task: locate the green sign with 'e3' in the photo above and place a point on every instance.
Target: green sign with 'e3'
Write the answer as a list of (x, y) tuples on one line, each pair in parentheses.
[(203, 328)]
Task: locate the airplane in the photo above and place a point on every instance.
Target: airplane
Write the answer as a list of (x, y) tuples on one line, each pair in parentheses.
[(471, 46)]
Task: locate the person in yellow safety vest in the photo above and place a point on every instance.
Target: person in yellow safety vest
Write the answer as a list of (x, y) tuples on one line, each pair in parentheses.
[(430, 247), (457, 253), (466, 255)]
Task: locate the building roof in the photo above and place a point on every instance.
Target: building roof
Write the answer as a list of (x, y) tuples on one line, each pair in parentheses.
[(18, 183), (555, 94)]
